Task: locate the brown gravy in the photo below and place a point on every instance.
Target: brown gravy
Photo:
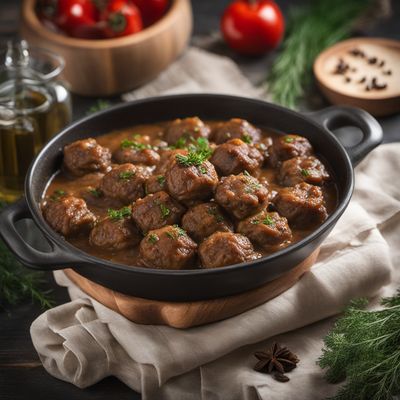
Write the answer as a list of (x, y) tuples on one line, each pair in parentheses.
[(76, 186)]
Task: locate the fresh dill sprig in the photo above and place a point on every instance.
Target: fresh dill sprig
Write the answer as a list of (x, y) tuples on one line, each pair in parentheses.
[(199, 151), (132, 144), (364, 349), (311, 29), (17, 283)]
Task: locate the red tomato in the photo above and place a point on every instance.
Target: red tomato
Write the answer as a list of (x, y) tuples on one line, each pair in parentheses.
[(252, 27), (123, 18), (151, 10), (72, 14)]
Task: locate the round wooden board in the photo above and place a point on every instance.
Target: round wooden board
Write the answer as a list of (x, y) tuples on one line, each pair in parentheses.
[(188, 314), (339, 91)]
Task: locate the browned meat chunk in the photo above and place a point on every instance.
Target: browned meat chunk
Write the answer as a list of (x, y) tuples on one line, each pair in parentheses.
[(167, 157), (266, 229), (155, 183), (124, 182), (226, 248), (235, 156), (302, 169), (191, 182), (135, 156), (169, 248), (156, 210), (303, 205), (114, 234), (85, 156), (186, 128), (205, 219), (68, 215), (236, 128), (289, 146), (241, 195)]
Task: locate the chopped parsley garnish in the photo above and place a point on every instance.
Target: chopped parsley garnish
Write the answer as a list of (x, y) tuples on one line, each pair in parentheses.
[(180, 143), (153, 238), (192, 158), (245, 172), (57, 194), (126, 175), (288, 139), (268, 221), (96, 192), (255, 221), (165, 211), (161, 179), (305, 172), (252, 184), (132, 144), (119, 214), (213, 211), (247, 139), (202, 169), (178, 232)]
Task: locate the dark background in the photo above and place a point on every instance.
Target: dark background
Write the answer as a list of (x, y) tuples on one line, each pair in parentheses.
[(21, 373)]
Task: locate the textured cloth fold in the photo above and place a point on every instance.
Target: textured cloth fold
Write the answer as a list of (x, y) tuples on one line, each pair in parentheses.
[(83, 341)]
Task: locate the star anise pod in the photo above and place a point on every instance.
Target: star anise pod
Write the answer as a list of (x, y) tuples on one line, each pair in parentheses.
[(277, 358)]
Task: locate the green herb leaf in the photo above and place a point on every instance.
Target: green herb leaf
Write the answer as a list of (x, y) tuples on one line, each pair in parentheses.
[(161, 179), (268, 220), (255, 221), (153, 238), (57, 194), (305, 172), (247, 139), (119, 214), (132, 144), (213, 211), (245, 172), (288, 139), (165, 211), (364, 348), (126, 175), (176, 233), (96, 192)]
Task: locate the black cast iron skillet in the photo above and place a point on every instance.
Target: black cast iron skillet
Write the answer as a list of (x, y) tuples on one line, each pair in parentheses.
[(198, 284)]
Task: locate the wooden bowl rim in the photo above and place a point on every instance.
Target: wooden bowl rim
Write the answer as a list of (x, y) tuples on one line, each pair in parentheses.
[(317, 66), (30, 17)]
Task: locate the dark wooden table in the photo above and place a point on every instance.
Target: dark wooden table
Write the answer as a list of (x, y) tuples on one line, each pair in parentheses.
[(21, 373)]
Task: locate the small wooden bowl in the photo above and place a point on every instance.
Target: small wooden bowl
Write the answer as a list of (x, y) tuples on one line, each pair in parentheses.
[(111, 66), (354, 93)]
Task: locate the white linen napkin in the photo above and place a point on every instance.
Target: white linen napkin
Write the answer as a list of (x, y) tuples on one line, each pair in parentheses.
[(82, 341)]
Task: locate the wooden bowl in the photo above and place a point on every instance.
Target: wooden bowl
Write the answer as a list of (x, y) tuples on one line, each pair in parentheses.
[(104, 67), (354, 92)]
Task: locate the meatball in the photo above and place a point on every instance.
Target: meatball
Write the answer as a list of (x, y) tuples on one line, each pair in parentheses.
[(68, 215), (302, 169), (168, 248), (302, 204), (226, 248), (241, 195), (235, 156), (266, 229), (204, 219), (114, 234), (156, 210), (155, 183), (289, 146), (145, 156), (85, 156), (167, 157), (186, 128), (124, 182), (236, 128), (191, 182)]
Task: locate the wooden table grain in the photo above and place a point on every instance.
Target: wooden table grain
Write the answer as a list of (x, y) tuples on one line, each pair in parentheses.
[(21, 374)]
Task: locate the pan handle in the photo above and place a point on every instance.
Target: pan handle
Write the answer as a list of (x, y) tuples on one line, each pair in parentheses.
[(57, 258), (337, 116)]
